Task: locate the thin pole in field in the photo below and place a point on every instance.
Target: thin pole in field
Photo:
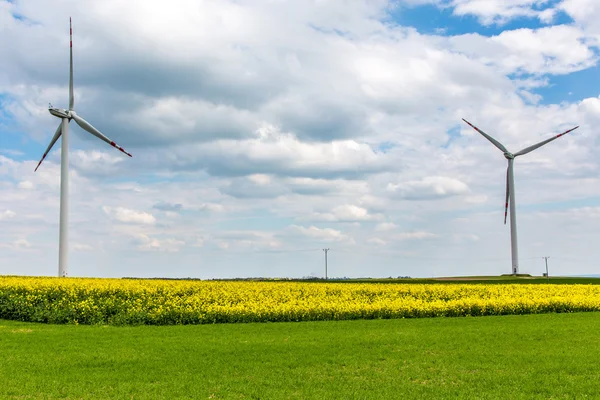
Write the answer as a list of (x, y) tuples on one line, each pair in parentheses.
[(325, 250), (547, 276)]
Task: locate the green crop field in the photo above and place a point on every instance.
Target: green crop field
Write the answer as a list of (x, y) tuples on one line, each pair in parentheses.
[(545, 356)]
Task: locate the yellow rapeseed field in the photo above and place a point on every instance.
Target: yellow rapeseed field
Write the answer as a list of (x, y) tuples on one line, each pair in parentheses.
[(164, 302)]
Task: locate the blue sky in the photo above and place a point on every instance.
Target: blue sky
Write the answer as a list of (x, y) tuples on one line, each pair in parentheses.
[(258, 140), (433, 19)]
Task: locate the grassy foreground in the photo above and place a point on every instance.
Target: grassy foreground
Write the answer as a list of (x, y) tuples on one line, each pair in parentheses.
[(548, 356)]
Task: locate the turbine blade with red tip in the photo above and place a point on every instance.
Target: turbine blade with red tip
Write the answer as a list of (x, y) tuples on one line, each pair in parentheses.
[(540, 144), (71, 96), (488, 137), (507, 193), (88, 127), (54, 139)]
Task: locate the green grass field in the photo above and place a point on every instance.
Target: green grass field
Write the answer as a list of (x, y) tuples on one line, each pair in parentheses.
[(547, 356)]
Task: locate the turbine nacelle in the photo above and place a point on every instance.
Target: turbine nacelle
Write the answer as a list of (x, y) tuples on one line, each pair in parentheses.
[(60, 112), (509, 156)]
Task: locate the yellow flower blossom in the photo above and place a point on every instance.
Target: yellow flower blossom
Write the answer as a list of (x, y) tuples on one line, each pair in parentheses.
[(165, 302)]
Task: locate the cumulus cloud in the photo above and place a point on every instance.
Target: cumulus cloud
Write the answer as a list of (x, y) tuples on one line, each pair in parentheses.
[(501, 11), (558, 49), (585, 13), (377, 242), (347, 213), (6, 214), (208, 207), (147, 243), (275, 152), (321, 234), (26, 185), (19, 244), (385, 226), (95, 162), (126, 215), (428, 188)]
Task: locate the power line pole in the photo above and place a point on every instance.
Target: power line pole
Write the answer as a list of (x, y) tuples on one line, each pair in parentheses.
[(547, 276), (325, 250)]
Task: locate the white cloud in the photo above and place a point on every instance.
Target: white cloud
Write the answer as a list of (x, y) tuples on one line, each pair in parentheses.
[(129, 216), (430, 187), (96, 162), (148, 243), (19, 244), (586, 14), (347, 213), (282, 154), (420, 235), (558, 49), (6, 214), (324, 234), (26, 185), (385, 226), (377, 242), (210, 207), (500, 11), (82, 247)]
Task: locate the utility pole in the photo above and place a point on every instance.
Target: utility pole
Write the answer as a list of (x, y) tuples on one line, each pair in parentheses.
[(325, 250), (547, 276)]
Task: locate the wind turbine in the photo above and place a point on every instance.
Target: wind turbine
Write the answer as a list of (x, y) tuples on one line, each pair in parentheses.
[(510, 187), (63, 130)]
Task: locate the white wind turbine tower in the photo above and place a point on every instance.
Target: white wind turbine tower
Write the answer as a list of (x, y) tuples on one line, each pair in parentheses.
[(510, 187), (63, 130)]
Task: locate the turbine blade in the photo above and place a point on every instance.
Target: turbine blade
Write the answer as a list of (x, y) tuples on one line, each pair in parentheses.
[(54, 139), (488, 137), (540, 144), (506, 202), (71, 97), (88, 127)]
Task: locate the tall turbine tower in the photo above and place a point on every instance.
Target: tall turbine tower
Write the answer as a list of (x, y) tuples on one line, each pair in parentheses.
[(510, 187), (63, 130)]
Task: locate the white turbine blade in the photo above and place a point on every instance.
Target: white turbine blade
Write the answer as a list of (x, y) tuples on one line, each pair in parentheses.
[(54, 139), (540, 144), (506, 202), (488, 137), (71, 97), (88, 127)]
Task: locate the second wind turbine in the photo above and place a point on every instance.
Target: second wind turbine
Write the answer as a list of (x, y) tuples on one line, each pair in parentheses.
[(510, 187)]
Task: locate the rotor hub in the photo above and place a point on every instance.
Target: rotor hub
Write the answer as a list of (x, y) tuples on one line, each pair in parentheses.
[(509, 156)]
